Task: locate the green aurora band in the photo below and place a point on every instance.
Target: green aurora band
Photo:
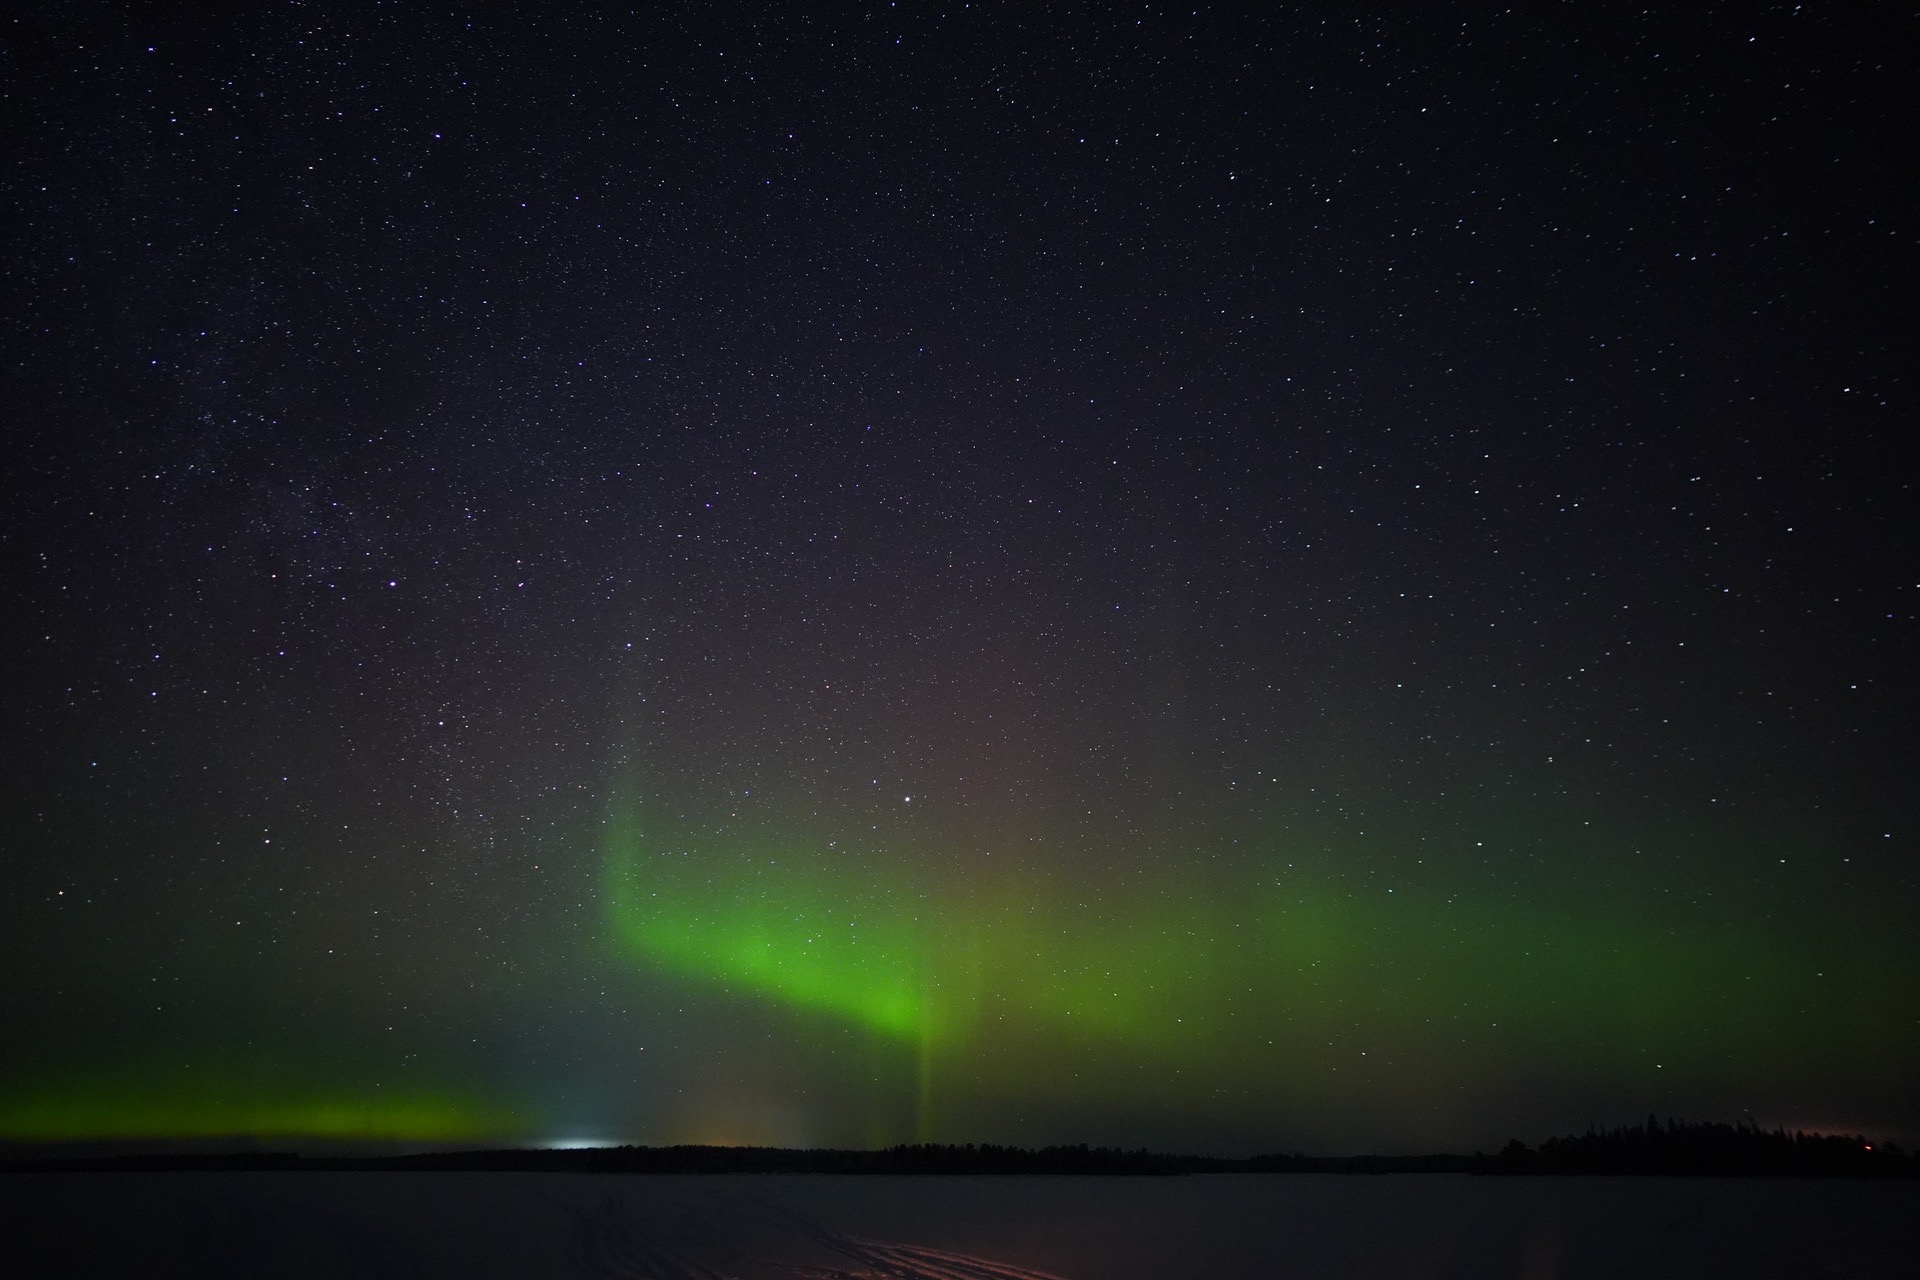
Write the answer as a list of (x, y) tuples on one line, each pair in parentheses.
[(240, 1103), (1248, 981), (1314, 988)]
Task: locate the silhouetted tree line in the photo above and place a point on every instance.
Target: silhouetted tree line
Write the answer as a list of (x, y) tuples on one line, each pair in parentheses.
[(905, 1159), (1679, 1147), (1653, 1148), (925, 1158)]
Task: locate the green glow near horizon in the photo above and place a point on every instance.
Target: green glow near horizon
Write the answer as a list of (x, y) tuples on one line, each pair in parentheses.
[(139, 1109), (1236, 977), (983, 979)]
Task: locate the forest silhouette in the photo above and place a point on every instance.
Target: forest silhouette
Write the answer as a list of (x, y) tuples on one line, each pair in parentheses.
[(1672, 1147)]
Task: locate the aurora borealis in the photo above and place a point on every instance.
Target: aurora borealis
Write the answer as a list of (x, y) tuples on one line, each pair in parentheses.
[(1210, 580), (1265, 971)]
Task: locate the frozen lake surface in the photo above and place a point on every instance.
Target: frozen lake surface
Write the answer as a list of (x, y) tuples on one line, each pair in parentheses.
[(1221, 1227)]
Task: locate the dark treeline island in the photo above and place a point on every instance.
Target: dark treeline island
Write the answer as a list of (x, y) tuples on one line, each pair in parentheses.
[(1674, 1147), (1709, 1148)]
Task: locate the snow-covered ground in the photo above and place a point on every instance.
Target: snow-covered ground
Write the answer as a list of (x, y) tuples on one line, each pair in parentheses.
[(405, 1225)]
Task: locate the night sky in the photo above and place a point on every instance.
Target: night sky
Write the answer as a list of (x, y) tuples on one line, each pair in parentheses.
[(1222, 579)]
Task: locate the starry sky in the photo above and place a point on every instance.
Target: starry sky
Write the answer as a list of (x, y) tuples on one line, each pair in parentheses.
[(1220, 578)]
